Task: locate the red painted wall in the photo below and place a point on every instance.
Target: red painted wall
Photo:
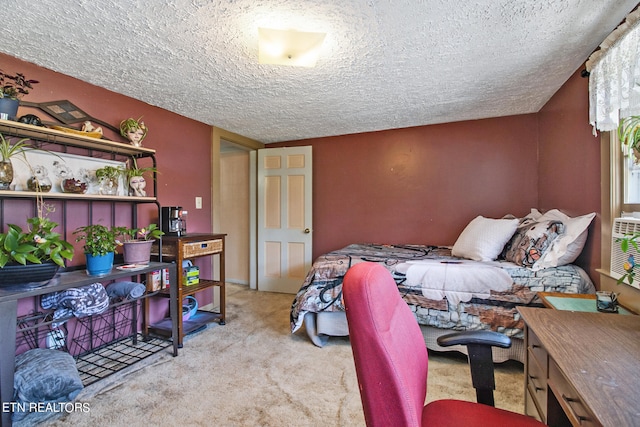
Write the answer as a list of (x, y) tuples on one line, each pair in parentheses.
[(569, 166), (423, 184)]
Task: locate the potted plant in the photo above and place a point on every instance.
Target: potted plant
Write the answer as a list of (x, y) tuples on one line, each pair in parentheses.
[(137, 243), (135, 177), (12, 88), (629, 134), (100, 244), (134, 130), (109, 177), (7, 151), (35, 253)]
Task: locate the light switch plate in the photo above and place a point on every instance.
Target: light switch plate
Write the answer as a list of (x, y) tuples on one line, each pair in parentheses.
[(198, 202)]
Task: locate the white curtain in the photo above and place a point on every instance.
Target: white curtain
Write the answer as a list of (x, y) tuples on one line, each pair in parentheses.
[(614, 79)]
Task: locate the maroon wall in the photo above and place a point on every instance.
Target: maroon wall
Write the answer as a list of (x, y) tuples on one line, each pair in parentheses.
[(421, 184), (569, 166)]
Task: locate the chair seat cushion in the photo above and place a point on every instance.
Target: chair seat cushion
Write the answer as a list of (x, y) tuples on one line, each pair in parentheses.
[(456, 413)]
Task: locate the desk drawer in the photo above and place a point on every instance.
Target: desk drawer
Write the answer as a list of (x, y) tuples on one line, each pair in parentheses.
[(538, 352), (536, 378), (569, 399), (204, 247)]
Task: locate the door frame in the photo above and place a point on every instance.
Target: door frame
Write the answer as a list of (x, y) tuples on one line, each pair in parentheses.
[(217, 135)]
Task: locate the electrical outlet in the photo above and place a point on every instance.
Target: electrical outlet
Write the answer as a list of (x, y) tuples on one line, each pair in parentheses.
[(198, 202), (55, 339)]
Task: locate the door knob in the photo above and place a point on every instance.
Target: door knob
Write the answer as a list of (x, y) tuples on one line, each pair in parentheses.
[(307, 231)]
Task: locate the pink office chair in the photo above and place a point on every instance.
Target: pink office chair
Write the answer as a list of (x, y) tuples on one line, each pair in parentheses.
[(391, 360)]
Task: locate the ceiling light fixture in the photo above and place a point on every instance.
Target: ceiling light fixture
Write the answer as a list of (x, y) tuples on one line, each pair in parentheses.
[(289, 47)]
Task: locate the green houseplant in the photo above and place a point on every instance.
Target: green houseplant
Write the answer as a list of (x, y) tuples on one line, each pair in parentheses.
[(629, 134), (134, 130), (137, 243), (109, 177), (36, 244), (100, 244), (8, 151), (136, 180), (32, 254), (12, 88)]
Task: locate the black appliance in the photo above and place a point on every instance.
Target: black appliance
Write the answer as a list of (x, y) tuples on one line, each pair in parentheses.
[(173, 222)]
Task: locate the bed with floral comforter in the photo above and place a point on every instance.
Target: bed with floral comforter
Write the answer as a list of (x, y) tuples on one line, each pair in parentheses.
[(445, 292)]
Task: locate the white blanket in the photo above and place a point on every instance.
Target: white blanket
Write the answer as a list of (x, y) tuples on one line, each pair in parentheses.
[(456, 280)]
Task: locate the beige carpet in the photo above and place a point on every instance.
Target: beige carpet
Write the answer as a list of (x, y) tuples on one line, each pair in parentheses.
[(253, 372)]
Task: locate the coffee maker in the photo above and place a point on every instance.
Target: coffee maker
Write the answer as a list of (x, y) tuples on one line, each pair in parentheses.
[(173, 222)]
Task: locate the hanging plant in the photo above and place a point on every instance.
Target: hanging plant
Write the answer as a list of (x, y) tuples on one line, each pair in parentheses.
[(629, 134), (134, 130)]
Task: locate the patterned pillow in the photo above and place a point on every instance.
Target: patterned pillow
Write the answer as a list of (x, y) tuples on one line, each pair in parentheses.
[(531, 240)]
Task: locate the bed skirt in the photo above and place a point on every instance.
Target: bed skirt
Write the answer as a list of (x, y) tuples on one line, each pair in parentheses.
[(321, 326)]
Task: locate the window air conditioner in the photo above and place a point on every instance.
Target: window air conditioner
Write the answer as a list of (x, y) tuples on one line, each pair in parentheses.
[(622, 226)]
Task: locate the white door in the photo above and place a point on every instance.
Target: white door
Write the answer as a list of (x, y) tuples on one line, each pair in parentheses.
[(284, 218)]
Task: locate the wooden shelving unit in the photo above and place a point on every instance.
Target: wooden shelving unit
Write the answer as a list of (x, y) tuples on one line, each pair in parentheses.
[(182, 248)]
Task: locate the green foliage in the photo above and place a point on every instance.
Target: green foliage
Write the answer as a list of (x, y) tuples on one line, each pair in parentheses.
[(629, 131), (151, 232), (7, 150), (109, 172), (38, 244), (99, 239), (134, 170), (133, 125)]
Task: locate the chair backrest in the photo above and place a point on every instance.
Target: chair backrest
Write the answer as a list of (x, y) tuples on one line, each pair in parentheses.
[(388, 348)]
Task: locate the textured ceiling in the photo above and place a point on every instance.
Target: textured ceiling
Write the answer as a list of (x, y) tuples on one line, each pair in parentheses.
[(384, 64)]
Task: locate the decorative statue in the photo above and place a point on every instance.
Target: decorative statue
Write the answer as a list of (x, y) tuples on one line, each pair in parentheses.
[(134, 130), (89, 127), (137, 184)]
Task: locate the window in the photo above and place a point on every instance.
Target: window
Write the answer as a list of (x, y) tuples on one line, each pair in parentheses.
[(629, 178)]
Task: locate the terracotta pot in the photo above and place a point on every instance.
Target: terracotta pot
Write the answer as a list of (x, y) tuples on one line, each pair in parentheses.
[(137, 251)]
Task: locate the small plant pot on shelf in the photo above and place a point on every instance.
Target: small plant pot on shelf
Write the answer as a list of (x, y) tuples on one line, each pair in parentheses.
[(137, 251), (9, 108), (99, 265), (6, 174), (18, 274)]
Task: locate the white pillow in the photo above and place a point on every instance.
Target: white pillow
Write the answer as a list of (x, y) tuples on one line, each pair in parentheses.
[(568, 246), (484, 238)]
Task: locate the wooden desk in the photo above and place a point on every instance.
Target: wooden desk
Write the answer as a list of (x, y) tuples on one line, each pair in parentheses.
[(581, 368)]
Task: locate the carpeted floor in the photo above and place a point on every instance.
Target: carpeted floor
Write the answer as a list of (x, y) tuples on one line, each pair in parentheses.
[(254, 372)]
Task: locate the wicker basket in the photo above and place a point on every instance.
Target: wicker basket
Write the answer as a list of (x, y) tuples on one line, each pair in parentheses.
[(205, 247)]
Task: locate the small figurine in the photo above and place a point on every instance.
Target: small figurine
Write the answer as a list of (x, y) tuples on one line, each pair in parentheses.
[(137, 184), (134, 130), (89, 127)]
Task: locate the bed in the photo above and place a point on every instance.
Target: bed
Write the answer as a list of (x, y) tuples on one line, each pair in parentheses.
[(449, 292)]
